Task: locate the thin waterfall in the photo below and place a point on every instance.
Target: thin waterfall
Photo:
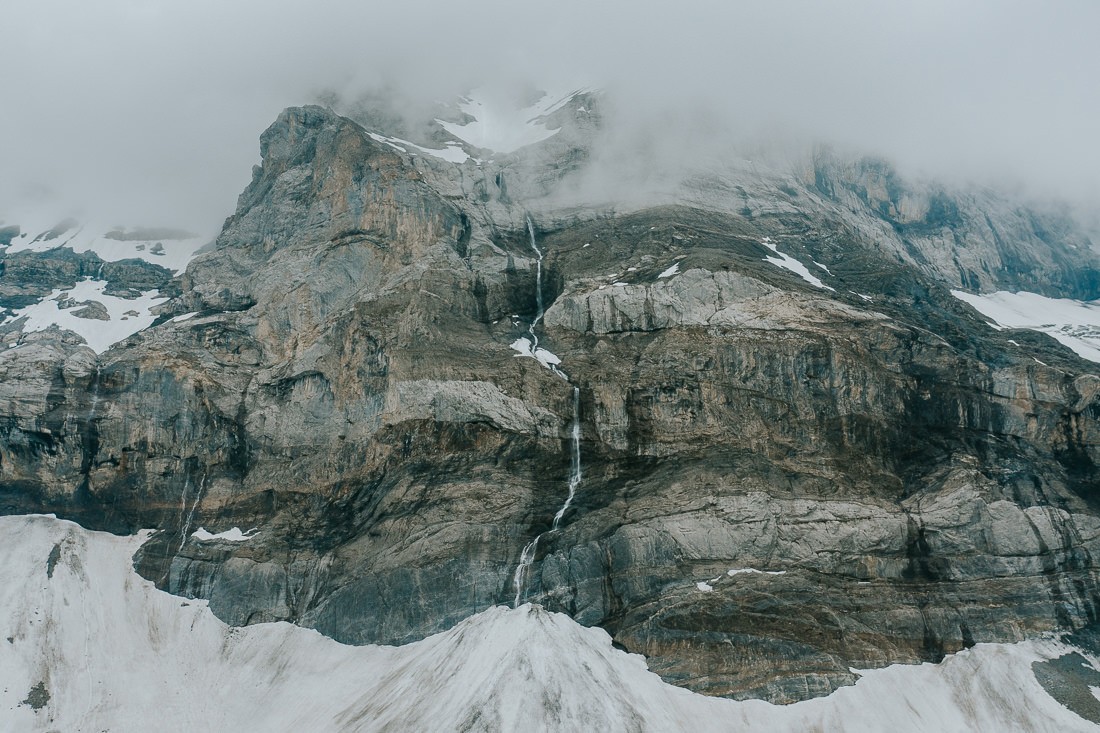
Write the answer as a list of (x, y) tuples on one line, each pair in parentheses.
[(185, 525), (526, 559), (183, 506), (95, 395), (575, 468), (527, 556), (538, 287)]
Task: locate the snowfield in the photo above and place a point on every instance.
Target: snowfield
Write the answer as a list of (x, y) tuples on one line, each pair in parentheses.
[(169, 252), (126, 316), (502, 127), (1074, 323), (87, 645), (170, 249)]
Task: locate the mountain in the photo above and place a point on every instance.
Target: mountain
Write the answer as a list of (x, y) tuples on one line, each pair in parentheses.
[(747, 422)]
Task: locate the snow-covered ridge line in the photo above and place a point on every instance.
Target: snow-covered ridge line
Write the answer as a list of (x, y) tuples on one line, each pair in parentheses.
[(452, 153), (109, 243), (108, 651), (1074, 323)]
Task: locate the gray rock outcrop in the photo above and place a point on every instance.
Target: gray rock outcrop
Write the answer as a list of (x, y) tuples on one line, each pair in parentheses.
[(780, 481)]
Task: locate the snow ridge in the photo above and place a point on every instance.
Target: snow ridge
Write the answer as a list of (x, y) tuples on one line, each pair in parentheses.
[(112, 651)]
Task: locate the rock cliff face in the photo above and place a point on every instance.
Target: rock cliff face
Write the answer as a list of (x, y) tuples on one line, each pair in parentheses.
[(784, 476)]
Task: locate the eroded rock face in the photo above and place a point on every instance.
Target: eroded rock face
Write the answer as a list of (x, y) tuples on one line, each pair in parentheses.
[(780, 481)]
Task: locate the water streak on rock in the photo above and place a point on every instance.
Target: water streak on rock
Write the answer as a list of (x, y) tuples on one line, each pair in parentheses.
[(527, 556)]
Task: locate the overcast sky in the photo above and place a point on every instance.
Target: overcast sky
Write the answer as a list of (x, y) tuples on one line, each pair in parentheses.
[(150, 111)]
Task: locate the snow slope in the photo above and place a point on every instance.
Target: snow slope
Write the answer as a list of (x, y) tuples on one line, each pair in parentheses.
[(502, 127), (113, 653), (452, 153), (790, 263), (127, 316), (1074, 323)]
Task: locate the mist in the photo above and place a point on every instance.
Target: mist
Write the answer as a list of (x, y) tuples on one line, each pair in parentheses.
[(146, 112)]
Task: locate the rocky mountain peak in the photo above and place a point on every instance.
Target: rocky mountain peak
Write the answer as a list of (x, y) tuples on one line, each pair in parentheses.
[(779, 434)]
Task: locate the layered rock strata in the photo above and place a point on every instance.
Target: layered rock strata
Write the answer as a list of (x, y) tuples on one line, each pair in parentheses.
[(781, 481)]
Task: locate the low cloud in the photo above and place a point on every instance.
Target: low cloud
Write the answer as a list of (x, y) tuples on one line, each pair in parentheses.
[(149, 112)]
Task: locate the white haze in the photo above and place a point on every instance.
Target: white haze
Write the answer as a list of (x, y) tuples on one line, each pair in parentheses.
[(149, 112)]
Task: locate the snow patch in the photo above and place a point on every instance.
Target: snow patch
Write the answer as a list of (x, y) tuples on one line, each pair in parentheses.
[(523, 347), (1074, 323), (790, 263), (229, 535), (704, 587), (127, 316), (674, 270), (743, 571)]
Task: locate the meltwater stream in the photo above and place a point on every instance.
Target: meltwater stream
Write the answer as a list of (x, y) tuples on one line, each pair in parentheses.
[(575, 465), (527, 557), (538, 288)]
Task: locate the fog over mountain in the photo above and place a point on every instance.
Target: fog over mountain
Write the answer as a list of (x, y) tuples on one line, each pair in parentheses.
[(493, 366), (148, 111)]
